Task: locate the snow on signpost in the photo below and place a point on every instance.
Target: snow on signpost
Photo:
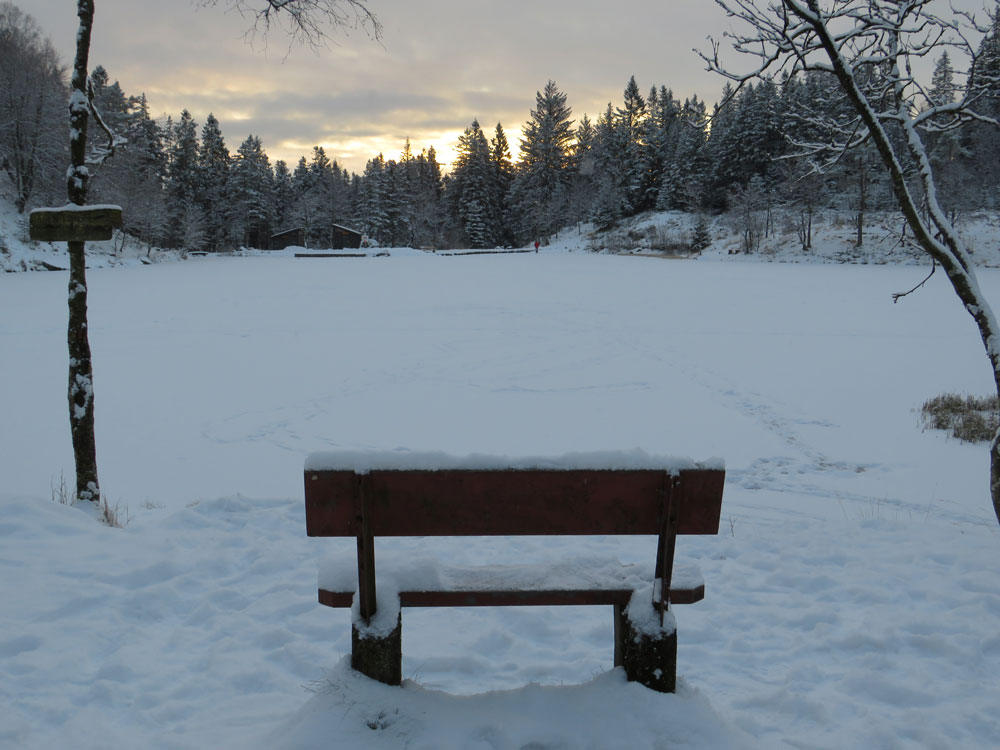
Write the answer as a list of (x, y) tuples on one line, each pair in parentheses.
[(72, 223)]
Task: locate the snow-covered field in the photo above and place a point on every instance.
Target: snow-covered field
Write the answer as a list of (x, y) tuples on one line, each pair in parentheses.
[(852, 594)]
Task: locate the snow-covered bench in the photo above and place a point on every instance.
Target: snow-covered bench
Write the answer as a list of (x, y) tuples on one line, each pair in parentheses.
[(403, 494)]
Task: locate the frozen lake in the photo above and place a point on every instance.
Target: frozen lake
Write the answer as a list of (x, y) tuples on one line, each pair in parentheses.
[(851, 595)]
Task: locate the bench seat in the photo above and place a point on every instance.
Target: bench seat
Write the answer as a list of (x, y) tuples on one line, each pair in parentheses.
[(425, 583)]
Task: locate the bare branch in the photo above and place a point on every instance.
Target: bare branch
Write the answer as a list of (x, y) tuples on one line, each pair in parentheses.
[(304, 21), (899, 295)]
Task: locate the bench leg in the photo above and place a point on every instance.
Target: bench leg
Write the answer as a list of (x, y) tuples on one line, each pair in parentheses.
[(380, 658), (649, 655), (619, 635)]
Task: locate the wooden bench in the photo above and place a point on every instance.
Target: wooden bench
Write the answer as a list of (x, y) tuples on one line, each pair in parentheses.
[(468, 497)]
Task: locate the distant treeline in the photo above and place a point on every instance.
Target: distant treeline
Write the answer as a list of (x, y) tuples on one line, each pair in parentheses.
[(765, 146)]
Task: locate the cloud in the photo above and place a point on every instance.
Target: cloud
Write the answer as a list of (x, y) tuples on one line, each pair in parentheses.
[(439, 64)]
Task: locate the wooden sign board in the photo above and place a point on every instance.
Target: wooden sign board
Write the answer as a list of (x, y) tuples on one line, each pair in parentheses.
[(74, 223)]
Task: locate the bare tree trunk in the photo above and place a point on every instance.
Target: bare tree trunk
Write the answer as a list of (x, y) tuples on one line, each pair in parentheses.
[(81, 376)]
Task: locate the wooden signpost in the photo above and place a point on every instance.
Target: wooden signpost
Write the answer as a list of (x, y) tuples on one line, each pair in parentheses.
[(74, 223)]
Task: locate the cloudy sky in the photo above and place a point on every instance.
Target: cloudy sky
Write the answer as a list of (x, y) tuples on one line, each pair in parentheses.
[(438, 65)]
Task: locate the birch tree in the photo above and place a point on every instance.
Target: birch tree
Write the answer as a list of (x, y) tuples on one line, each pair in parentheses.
[(890, 110)]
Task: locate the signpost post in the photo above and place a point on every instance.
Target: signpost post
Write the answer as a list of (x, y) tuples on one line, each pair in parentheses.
[(76, 225)]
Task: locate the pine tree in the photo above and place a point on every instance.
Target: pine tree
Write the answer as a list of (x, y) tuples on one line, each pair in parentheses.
[(141, 167), (610, 177), (282, 197), (182, 184), (110, 102), (313, 187), (428, 221), (630, 140), (982, 139), (214, 164), (398, 206), (581, 193), (950, 158), (541, 187), (250, 193), (328, 188), (583, 146), (503, 177), (472, 189), (722, 155), (942, 90), (683, 183), (662, 136), (701, 236), (131, 177), (376, 222), (761, 139)]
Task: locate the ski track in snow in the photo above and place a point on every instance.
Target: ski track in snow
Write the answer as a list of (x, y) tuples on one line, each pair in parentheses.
[(785, 473), (804, 472)]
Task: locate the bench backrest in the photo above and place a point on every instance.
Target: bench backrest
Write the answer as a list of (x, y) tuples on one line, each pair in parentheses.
[(510, 502)]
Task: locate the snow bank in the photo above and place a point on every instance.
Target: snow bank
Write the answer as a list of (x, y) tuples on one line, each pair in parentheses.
[(605, 713)]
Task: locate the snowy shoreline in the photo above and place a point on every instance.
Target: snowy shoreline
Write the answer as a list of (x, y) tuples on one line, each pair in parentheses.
[(833, 242)]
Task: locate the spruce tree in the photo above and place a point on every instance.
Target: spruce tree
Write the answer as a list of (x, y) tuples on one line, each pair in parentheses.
[(316, 199), (472, 189), (950, 158), (541, 187), (984, 138), (610, 177), (133, 179), (183, 223), (662, 136), (250, 189), (376, 222), (214, 164), (304, 212), (581, 194), (630, 124), (684, 181), (282, 197), (502, 178), (427, 211)]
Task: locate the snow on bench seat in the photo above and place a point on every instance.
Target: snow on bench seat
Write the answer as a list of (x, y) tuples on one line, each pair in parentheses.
[(425, 582)]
